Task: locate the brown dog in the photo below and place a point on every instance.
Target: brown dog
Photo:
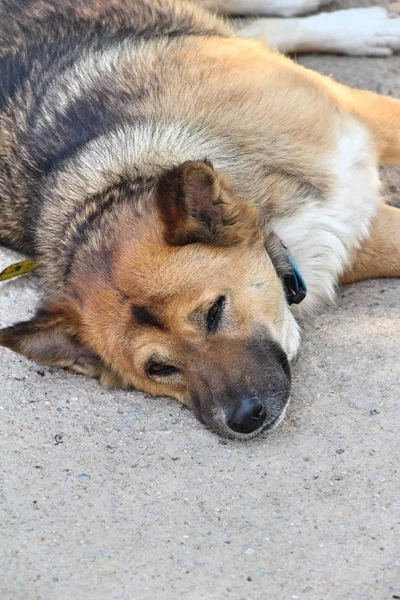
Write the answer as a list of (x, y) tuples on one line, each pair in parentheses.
[(157, 168)]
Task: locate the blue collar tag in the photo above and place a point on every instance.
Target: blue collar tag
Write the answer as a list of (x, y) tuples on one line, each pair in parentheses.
[(295, 287), (294, 284)]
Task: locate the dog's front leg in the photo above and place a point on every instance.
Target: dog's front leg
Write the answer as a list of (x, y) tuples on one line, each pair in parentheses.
[(379, 255)]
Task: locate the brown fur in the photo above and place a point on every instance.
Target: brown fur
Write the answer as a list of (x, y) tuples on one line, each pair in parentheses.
[(379, 256)]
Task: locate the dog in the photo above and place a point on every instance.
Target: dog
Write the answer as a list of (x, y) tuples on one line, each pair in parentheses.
[(187, 193)]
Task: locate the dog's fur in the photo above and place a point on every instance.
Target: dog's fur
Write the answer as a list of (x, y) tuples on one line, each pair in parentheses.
[(148, 158)]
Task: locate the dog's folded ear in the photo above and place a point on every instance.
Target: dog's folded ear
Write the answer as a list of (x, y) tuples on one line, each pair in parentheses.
[(198, 206), (49, 339)]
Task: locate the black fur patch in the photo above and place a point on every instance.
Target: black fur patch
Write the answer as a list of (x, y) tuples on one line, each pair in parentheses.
[(142, 316), (45, 42), (88, 217)]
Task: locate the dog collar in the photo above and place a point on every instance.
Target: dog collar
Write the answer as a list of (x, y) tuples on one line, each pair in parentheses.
[(293, 282)]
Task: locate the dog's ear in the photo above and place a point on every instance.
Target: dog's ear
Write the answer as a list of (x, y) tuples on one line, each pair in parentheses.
[(51, 339), (198, 206)]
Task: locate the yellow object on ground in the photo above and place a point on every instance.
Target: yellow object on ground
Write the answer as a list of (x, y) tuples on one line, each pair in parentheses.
[(19, 268)]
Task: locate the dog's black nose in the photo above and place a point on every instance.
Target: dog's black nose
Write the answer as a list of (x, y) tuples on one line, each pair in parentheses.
[(249, 415)]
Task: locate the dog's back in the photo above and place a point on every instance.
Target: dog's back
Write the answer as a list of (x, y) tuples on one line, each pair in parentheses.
[(45, 116)]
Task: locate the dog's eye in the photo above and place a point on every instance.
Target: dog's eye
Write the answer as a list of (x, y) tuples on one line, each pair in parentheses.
[(214, 314), (160, 370)]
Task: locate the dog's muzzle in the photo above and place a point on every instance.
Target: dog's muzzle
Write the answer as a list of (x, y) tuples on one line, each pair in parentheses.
[(244, 387)]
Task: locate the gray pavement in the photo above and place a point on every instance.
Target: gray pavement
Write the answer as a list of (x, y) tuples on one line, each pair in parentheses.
[(109, 495)]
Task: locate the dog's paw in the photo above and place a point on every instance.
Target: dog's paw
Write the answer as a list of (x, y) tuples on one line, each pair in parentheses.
[(359, 31)]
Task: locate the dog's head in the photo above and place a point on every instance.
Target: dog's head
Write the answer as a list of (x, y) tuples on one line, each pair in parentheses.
[(185, 302)]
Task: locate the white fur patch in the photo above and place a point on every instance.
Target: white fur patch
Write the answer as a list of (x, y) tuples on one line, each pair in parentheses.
[(322, 234), (289, 335)]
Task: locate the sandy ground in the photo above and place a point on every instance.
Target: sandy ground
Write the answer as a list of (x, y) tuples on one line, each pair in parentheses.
[(108, 495)]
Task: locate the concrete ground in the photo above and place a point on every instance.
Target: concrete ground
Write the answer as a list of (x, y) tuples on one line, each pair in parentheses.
[(108, 495)]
